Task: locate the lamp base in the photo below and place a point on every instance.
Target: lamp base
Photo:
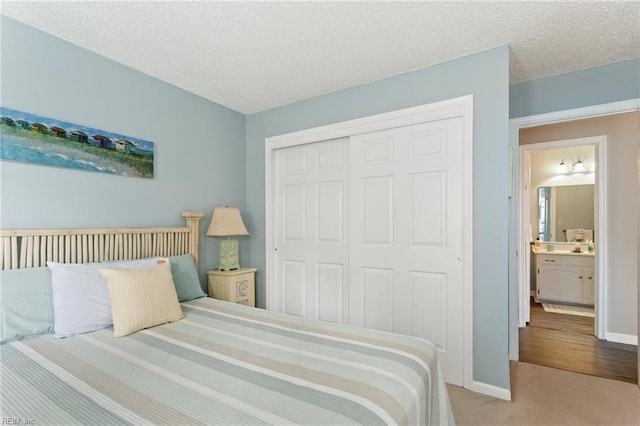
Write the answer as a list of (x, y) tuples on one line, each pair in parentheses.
[(228, 255)]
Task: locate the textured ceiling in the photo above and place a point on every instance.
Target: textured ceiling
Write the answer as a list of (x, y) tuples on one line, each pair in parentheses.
[(252, 56)]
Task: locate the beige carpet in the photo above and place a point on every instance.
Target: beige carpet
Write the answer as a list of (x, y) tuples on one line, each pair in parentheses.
[(548, 396)]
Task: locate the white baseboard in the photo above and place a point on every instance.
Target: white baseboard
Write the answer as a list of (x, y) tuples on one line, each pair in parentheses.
[(491, 390), (627, 339)]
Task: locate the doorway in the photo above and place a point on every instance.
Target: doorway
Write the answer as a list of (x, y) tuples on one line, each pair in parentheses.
[(539, 173), (622, 154)]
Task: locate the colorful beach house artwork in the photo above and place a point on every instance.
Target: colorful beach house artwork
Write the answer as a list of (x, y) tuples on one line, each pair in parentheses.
[(32, 139)]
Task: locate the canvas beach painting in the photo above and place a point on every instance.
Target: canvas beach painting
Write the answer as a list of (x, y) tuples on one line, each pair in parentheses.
[(29, 138)]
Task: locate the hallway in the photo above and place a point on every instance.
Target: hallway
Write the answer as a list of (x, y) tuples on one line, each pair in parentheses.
[(567, 342)]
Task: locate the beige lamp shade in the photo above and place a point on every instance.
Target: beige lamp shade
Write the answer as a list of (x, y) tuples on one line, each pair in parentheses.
[(225, 222)]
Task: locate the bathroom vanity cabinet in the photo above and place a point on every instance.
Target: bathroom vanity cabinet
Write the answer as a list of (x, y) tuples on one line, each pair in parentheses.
[(565, 277)]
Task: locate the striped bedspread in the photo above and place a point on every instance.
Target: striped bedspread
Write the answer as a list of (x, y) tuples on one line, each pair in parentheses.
[(225, 364)]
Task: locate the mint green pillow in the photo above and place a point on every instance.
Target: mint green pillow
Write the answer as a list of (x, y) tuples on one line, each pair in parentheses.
[(185, 277), (26, 303)]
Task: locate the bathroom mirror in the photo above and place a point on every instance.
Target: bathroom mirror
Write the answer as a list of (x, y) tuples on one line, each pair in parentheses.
[(564, 207)]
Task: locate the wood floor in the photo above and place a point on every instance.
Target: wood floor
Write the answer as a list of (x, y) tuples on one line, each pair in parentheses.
[(568, 342)]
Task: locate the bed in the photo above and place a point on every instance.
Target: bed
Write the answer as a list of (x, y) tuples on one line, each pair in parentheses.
[(214, 363)]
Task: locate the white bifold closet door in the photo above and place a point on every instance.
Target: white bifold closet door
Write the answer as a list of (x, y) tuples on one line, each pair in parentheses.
[(370, 233)]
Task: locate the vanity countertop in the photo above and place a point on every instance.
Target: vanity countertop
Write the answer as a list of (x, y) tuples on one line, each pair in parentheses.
[(543, 250)]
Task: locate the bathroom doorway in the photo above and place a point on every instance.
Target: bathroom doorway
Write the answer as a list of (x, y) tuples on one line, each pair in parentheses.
[(551, 183), (620, 348)]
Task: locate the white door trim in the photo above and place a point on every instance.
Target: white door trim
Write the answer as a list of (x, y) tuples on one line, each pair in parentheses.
[(515, 297), (456, 107), (600, 236)]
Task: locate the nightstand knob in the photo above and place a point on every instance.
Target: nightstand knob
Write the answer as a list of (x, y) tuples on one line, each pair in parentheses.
[(242, 288)]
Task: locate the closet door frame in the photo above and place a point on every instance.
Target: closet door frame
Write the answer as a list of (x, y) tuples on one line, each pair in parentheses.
[(455, 107)]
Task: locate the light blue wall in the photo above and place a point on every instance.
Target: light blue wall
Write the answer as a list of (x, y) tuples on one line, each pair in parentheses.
[(608, 83), (485, 75), (200, 149)]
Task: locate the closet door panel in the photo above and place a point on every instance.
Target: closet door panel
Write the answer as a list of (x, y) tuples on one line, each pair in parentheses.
[(429, 300), (330, 223), (295, 212), (376, 215), (377, 298), (312, 247), (406, 210), (294, 279), (330, 297)]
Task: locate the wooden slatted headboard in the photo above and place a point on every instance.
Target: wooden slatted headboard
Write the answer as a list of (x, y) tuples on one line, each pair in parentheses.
[(27, 248)]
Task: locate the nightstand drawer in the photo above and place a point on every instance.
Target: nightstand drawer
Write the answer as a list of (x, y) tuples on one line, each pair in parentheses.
[(233, 286)]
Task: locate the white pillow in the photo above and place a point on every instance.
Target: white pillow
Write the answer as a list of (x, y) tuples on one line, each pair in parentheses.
[(141, 298), (81, 300)]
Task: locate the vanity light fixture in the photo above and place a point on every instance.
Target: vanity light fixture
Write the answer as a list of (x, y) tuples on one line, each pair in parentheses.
[(578, 166), (562, 168)]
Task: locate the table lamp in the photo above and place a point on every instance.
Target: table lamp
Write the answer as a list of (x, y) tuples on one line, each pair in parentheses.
[(227, 222)]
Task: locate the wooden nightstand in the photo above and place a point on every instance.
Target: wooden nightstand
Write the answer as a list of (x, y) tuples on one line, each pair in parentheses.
[(234, 286)]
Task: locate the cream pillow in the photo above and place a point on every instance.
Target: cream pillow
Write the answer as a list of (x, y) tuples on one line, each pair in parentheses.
[(141, 298), (80, 296)]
